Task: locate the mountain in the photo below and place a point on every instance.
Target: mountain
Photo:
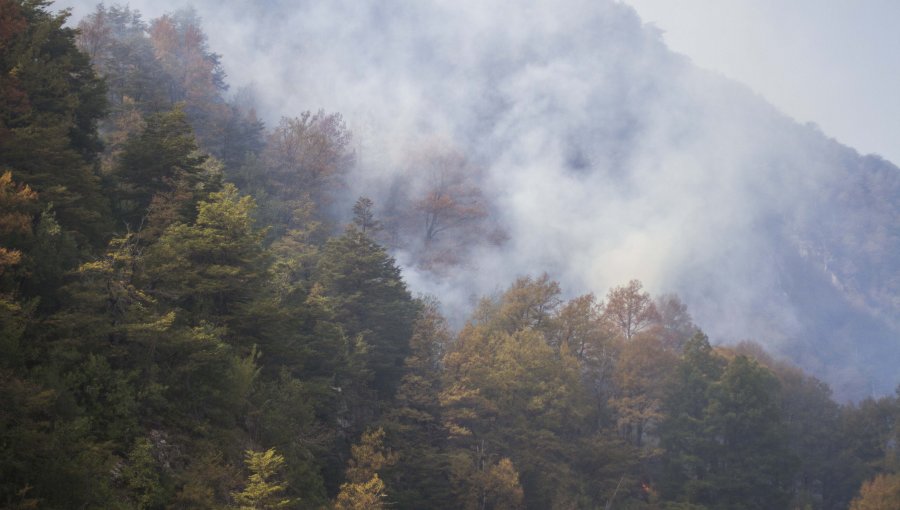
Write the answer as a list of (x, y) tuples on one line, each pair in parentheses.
[(599, 156)]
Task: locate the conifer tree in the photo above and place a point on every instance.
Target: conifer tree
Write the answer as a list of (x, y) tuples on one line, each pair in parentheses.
[(364, 217), (371, 301)]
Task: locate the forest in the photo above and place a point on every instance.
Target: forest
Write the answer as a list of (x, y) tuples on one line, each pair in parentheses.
[(193, 315)]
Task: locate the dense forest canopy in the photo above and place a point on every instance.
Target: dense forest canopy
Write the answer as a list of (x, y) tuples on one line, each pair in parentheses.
[(191, 316)]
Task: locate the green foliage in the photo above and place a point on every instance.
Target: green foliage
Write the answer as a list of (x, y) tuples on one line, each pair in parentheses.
[(193, 74), (508, 393), (115, 39), (107, 396), (286, 415), (414, 425), (687, 463), (14, 319), (371, 301), (753, 468), (724, 436), (206, 482), (48, 460), (493, 487), (141, 476), (212, 267)]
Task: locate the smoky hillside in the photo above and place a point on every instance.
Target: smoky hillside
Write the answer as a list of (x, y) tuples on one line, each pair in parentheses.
[(569, 138), (358, 256)]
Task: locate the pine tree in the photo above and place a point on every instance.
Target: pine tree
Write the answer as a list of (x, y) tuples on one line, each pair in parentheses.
[(141, 476)]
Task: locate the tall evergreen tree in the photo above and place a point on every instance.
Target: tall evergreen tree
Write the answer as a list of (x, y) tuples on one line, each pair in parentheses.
[(371, 301)]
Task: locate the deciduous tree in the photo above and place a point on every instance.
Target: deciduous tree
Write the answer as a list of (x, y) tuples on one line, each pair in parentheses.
[(879, 493), (364, 489), (630, 310), (262, 490)]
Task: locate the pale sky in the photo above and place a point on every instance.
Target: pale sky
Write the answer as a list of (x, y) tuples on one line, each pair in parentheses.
[(835, 63)]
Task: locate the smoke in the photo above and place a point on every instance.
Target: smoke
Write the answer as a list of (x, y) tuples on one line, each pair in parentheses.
[(607, 157)]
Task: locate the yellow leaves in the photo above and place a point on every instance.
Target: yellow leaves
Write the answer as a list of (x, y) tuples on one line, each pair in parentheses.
[(365, 490), (640, 376), (455, 430), (12, 197), (14, 201), (161, 325), (501, 485), (879, 493), (368, 495), (369, 456), (481, 486), (630, 310), (9, 258), (261, 492)]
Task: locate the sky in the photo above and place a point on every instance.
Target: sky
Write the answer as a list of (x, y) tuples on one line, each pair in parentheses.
[(830, 62)]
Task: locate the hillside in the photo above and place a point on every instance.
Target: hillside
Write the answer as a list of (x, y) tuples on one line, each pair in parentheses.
[(451, 287)]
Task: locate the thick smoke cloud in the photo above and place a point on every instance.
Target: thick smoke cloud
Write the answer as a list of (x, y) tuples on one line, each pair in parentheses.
[(607, 156)]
